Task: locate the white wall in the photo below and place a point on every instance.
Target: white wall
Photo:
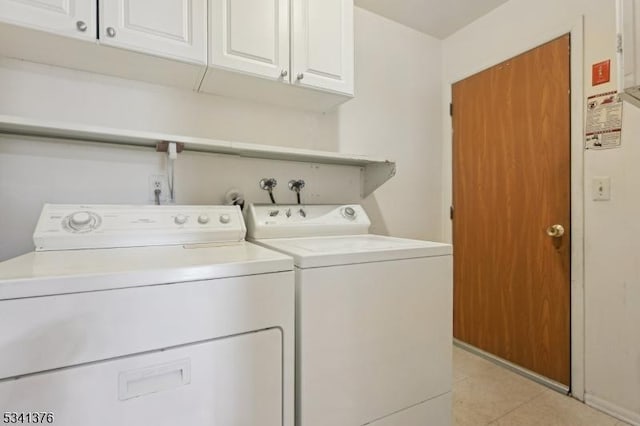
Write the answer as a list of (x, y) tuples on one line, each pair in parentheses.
[(396, 114), (33, 171), (612, 234)]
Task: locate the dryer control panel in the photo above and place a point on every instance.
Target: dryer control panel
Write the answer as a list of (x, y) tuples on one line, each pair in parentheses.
[(66, 227), (299, 220)]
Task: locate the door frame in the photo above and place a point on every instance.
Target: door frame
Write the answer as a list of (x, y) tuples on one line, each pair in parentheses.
[(576, 30)]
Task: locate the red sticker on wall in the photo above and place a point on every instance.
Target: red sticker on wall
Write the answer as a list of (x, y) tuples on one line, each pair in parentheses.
[(601, 73)]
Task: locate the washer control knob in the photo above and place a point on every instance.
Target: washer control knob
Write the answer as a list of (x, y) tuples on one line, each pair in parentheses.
[(203, 219), (225, 218), (180, 219), (80, 219), (349, 213)]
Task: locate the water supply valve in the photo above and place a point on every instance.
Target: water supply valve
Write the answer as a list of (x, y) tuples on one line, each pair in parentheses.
[(296, 186), (268, 184)]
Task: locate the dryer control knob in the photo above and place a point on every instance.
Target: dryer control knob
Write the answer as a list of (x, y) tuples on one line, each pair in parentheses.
[(180, 219), (203, 219), (225, 218)]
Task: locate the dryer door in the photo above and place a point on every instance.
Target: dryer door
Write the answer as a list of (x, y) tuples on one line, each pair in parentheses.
[(232, 381)]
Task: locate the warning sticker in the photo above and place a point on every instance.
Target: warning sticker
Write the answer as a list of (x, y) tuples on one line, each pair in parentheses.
[(603, 121)]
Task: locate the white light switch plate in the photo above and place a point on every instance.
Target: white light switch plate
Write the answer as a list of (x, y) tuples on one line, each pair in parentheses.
[(601, 188)]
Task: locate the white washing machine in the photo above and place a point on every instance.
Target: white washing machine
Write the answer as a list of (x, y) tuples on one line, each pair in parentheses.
[(373, 318), (140, 316)]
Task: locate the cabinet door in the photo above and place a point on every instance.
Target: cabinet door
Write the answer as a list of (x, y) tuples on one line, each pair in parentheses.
[(72, 18), (250, 36), (175, 29), (631, 40), (322, 54)]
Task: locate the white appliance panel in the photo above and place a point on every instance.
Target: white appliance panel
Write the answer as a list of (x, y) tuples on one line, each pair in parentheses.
[(100, 328), (434, 412), (234, 381), (65, 227), (72, 271), (351, 249), (290, 221), (372, 339), (66, 330)]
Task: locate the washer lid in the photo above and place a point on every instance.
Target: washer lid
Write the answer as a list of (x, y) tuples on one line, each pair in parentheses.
[(73, 271), (328, 251)]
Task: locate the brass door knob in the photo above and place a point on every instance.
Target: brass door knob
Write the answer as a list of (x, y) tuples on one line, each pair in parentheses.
[(555, 231)]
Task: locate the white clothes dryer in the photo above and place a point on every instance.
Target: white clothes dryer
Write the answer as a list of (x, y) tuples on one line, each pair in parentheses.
[(146, 315), (373, 317)]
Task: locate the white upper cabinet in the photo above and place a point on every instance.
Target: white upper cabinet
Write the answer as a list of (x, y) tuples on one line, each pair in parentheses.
[(322, 44), (629, 19), (294, 53), (174, 29), (291, 45), (250, 36), (71, 18)]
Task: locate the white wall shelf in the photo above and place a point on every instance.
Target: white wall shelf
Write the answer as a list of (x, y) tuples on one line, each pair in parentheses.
[(374, 172)]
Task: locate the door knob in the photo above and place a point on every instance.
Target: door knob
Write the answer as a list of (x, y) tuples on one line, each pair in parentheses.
[(81, 26), (300, 76), (284, 73), (111, 32), (555, 231)]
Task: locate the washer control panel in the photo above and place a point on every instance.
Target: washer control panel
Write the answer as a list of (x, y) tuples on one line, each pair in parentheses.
[(81, 221), (64, 227), (289, 221)]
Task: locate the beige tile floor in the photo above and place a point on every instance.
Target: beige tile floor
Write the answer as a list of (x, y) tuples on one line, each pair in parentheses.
[(486, 394)]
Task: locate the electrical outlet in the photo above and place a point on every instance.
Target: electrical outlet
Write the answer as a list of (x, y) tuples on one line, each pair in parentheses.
[(158, 182)]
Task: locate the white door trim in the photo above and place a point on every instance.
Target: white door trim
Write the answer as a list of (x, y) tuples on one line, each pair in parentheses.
[(576, 29)]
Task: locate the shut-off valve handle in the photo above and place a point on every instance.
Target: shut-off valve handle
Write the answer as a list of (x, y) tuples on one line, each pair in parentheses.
[(296, 186), (268, 184)]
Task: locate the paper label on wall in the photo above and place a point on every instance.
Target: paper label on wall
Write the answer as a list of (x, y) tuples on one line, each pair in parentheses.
[(603, 121)]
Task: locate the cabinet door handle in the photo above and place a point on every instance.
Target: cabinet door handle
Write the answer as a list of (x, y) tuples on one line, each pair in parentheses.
[(111, 32), (81, 26), (284, 73), (300, 76)]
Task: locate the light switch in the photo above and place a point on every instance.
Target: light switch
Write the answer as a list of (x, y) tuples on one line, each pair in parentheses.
[(601, 188)]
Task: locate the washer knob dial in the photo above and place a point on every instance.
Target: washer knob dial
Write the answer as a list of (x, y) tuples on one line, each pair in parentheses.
[(80, 219), (180, 219), (349, 213), (203, 219), (225, 218)]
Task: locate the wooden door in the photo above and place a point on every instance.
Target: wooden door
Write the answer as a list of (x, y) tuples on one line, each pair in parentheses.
[(322, 44), (175, 29), (511, 181), (250, 36), (70, 18)]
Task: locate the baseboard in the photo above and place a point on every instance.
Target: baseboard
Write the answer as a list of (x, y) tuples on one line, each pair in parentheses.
[(544, 381), (612, 409)]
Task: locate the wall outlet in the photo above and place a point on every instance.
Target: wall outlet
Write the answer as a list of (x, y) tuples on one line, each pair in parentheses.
[(158, 182), (601, 188)]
